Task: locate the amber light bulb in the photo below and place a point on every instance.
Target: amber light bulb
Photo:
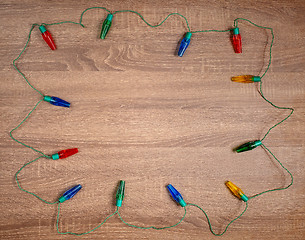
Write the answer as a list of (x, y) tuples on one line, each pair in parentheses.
[(236, 191), (246, 79)]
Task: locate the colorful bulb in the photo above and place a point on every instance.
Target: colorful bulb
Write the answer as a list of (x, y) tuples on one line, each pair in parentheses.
[(176, 195), (56, 101), (106, 26), (184, 44), (237, 191), (248, 146), (120, 193), (246, 79), (64, 153), (236, 40), (70, 193), (46, 35)]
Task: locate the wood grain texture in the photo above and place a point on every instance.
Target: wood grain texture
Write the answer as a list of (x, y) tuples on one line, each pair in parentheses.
[(141, 114)]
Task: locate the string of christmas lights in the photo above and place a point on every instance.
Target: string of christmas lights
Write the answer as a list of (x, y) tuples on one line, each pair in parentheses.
[(106, 26)]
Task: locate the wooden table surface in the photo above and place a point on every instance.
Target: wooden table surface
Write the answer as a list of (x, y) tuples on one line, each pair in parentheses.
[(141, 114)]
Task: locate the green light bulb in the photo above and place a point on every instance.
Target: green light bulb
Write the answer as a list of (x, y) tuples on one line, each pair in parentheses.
[(120, 193), (248, 146), (106, 26)]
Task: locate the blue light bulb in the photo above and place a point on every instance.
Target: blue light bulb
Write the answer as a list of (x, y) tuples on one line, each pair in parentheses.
[(184, 44), (56, 101), (70, 193), (176, 195)]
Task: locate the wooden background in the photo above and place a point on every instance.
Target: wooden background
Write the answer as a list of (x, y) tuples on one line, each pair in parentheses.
[(141, 114)]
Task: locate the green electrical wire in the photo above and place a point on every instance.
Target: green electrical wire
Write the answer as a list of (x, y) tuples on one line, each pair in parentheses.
[(276, 189), (14, 61), (157, 25), (16, 178), (280, 122), (153, 26), (27, 81), (202, 31), (236, 25), (209, 222), (131, 11), (82, 14), (80, 234), (63, 22), (151, 227), (268, 67), (26, 45), (11, 132)]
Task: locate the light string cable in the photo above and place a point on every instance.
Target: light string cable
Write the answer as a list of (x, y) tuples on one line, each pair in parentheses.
[(117, 211), (42, 154), (84, 233), (137, 13), (272, 104), (209, 222), (27, 81), (275, 189), (151, 227), (267, 69), (28, 115), (22, 189)]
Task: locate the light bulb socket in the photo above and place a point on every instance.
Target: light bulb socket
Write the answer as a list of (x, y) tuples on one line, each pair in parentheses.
[(42, 29), (188, 35), (235, 30)]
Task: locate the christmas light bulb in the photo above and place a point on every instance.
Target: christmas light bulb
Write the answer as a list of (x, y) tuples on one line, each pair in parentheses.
[(46, 35), (236, 191), (176, 195), (106, 26), (184, 44), (248, 146), (64, 153), (246, 79), (120, 194), (236, 40), (56, 101), (70, 193)]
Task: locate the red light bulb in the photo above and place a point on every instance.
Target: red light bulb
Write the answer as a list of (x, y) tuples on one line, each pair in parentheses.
[(236, 40), (64, 153), (46, 35)]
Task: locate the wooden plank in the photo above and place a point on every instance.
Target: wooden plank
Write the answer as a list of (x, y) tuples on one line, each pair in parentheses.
[(141, 114)]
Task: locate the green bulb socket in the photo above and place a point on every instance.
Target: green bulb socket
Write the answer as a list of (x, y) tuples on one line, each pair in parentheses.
[(47, 98), (182, 203), (55, 156), (257, 143), (188, 35), (236, 31), (109, 17), (244, 198), (62, 199), (42, 29), (256, 79), (119, 203)]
